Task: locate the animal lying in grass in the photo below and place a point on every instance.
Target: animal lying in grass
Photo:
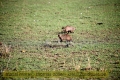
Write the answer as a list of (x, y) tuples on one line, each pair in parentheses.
[(64, 37), (68, 29)]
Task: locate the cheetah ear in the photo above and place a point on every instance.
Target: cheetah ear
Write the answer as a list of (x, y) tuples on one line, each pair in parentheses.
[(63, 27)]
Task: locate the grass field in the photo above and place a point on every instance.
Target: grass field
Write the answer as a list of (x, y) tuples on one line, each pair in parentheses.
[(29, 29)]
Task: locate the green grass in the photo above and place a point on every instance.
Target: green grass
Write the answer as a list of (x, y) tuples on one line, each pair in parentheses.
[(29, 25)]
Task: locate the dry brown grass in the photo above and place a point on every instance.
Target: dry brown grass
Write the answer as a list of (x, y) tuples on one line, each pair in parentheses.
[(5, 50)]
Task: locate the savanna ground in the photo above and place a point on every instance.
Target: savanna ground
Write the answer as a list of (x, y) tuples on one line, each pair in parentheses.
[(29, 29)]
